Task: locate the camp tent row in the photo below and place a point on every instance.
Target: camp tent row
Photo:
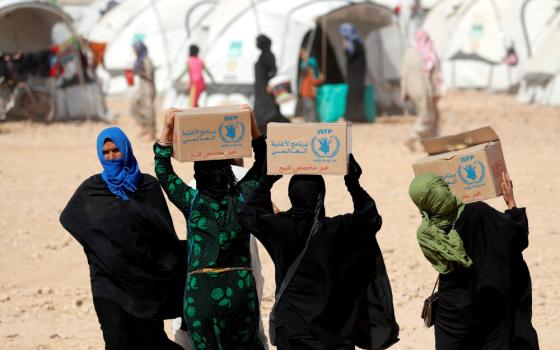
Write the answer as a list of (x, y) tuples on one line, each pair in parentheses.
[(228, 37), (474, 38), (32, 26), (226, 32)]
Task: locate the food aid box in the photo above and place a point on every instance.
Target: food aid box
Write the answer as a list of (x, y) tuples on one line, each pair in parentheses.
[(210, 133), (308, 148), (471, 162)]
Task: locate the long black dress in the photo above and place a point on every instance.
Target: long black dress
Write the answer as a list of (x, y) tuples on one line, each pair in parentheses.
[(340, 295), (137, 263), (266, 110), (355, 74), (489, 305)]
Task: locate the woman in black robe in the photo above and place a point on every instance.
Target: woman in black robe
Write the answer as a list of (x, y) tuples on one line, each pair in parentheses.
[(339, 295), (266, 110), (137, 263), (484, 283), (355, 73)]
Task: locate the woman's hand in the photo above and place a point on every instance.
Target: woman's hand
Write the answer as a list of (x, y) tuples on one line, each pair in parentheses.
[(354, 172), (507, 191), (255, 132), (168, 124)]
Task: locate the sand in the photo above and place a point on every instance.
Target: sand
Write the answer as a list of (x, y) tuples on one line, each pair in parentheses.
[(45, 298)]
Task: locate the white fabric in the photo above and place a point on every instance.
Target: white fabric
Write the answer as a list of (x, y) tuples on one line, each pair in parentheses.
[(485, 28), (541, 76)]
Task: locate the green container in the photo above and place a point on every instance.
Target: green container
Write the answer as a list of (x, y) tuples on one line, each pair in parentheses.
[(331, 102)]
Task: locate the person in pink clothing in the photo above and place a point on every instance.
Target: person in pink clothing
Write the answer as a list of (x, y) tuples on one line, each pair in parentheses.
[(195, 67)]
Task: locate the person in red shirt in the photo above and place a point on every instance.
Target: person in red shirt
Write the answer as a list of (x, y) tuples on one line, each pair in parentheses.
[(195, 67)]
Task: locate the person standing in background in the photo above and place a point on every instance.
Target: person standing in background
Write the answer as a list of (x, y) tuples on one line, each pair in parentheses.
[(195, 67), (355, 72), (421, 82), (142, 106), (308, 93), (266, 109)]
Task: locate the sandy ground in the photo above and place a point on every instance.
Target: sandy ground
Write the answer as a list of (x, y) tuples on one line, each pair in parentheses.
[(45, 299)]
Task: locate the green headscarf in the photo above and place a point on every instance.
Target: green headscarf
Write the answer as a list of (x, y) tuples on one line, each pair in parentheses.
[(438, 239)]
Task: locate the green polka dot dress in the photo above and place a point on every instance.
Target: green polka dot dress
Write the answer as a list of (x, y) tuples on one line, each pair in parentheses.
[(220, 308)]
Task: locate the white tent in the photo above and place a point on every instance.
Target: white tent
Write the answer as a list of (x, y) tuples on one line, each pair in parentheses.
[(30, 26), (541, 76), (85, 14), (473, 37), (228, 37), (165, 26)]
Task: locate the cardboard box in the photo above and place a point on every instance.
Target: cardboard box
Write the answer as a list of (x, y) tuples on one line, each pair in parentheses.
[(471, 162), (310, 148), (210, 133)]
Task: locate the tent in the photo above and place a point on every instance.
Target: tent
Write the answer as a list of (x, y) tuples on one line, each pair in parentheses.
[(541, 75), (228, 37), (85, 14), (31, 26), (165, 26), (476, 38)]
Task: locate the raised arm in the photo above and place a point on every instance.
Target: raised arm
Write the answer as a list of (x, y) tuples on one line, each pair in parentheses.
[(518, 215), (365, 215), (250, 180), (204, 68), (183, 72), (258, 205), (178, 192)]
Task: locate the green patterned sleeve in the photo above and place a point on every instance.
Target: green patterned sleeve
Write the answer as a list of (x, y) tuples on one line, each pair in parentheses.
[(251, 179), (178, 192)]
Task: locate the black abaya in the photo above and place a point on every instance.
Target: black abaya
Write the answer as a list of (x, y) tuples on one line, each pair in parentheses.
[(266, 110), (339, 295), (355, 74), (123, 331), (135, 257), (489, 305)]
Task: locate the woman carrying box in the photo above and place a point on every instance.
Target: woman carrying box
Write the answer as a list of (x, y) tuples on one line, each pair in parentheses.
[(332, 290), (220, 303), (484, 284)]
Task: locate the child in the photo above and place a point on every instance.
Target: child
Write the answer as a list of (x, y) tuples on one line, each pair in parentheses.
[(195, 67)]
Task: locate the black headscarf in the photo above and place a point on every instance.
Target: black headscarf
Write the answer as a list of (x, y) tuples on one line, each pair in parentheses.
[(214, 178), (263, 43), (305, 191)]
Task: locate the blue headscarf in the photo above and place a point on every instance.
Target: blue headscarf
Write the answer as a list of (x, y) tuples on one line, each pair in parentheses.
[(119, 174), (350, 34), (141, 53)]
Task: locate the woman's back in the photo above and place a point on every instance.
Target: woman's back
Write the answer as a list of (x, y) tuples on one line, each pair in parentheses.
[(195, 69), (216, 240)]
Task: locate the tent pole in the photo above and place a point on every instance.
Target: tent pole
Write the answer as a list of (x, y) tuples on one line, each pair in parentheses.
[(165, 41), (524, 26), (500, 24), (256, 13), (324, 45)]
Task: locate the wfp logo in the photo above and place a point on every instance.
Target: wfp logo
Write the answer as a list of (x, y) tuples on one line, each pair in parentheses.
[(325, 146), (232, 132), (472, 173)]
